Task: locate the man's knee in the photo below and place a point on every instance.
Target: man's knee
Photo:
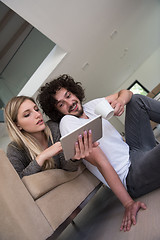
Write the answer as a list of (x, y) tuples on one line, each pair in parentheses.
[(136, 99)]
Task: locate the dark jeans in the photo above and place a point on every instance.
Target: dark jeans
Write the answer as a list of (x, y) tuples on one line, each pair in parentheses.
[(144, 172)]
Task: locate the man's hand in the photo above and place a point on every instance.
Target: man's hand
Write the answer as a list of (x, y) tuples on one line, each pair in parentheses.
[(118, 106), (119, 100), (129, 217)]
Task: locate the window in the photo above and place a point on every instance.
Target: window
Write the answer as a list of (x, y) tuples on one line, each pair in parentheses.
[(137, 87)]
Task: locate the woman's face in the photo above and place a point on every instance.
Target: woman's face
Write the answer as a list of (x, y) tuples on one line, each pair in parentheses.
[(30, 118)]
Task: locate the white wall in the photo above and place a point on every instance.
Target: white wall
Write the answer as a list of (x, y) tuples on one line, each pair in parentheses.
[(148, 74)]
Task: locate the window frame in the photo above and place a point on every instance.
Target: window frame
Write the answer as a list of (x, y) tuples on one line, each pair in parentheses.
[(137, 82)]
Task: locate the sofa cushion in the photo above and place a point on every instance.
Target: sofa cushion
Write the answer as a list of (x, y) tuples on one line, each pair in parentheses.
[(40, 183), (59, 204)]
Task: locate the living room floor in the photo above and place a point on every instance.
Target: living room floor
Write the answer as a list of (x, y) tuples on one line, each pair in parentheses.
[(101, 219), (91, 222)]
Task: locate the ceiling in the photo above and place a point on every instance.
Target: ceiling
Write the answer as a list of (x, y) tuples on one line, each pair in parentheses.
[(13, 31), (106, 41)]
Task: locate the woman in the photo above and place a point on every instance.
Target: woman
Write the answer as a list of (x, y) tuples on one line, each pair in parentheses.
[(36, 146)]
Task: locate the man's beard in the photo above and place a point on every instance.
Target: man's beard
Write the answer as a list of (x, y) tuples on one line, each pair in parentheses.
[(79, 112)]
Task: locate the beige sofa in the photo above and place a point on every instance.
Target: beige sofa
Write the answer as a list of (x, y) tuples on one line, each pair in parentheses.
[(41, 205)]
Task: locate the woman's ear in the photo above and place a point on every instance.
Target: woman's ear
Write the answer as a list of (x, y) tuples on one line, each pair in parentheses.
[(19, 127)]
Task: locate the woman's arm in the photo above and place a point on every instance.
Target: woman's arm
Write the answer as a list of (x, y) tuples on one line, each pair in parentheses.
[(21, 161), (69, 165), (48, 153)]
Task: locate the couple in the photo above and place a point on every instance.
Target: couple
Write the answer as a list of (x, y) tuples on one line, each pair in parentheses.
[(114, 162)]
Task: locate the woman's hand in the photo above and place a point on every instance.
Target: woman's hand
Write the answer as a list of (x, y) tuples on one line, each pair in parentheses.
[(84, 145), (48, 153), (129, 217)]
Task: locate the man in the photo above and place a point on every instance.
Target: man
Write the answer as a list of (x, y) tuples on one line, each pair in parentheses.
[(136, 162)]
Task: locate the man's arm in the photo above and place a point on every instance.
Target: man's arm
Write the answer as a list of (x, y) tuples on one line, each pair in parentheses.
[(98, 158), (119, 100)]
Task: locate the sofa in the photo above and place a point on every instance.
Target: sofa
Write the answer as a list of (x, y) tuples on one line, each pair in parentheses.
[(41, 205)]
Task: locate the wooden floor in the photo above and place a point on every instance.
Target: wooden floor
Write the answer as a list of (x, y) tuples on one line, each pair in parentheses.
[(101, 219)]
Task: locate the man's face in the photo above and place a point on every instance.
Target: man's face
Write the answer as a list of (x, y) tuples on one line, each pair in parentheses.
[(68, 103)]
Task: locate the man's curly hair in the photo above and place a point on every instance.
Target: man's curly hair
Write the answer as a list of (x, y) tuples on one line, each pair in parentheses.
[(46, 95)]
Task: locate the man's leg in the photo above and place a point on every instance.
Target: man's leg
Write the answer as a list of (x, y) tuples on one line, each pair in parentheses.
[(139, 111), (144, 173)]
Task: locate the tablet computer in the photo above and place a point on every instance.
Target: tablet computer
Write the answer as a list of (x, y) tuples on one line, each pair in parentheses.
[(68, 140)]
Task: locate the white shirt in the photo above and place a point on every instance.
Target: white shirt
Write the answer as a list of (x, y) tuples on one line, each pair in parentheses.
[(112, 144)]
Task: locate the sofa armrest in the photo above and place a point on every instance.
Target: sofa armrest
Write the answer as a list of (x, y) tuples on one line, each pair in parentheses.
[(40, 183), (20, 216)]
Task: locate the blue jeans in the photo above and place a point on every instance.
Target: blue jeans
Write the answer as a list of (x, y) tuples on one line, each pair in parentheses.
[(144, 172)]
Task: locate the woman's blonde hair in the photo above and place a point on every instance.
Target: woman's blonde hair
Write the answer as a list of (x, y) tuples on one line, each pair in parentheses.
[(21, 137)]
